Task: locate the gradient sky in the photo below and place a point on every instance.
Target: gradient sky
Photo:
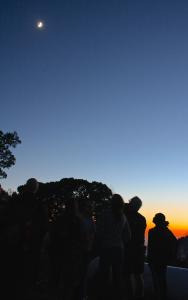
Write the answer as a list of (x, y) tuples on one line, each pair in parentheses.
[(100, 94)]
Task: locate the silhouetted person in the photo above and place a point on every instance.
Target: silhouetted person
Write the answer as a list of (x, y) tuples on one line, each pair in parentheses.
[(161, 251), (34, 224), (9, 252), (73, 241), (135, 254), (89, 232), (56, 251), (112, 232)]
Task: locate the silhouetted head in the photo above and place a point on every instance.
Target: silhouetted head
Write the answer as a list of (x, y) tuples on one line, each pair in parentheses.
[(160, 219), (32, 185), (135, 203), (117, 204)]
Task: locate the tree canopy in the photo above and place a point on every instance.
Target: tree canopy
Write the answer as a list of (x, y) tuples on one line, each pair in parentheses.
[(7, 159), (56, 194)]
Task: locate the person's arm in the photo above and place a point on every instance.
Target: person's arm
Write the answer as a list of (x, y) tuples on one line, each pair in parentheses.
[(173, 247)]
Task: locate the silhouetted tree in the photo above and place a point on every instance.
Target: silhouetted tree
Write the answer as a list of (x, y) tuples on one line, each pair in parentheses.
[(56, 194), (7, 159)]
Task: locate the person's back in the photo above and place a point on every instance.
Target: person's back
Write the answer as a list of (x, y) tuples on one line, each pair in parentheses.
[(33, 222), (10, 255), (66, 249), (33, 219), (137, 224), (71, 236), (161, 251), (112, 232), (161, 245), (135, 254)]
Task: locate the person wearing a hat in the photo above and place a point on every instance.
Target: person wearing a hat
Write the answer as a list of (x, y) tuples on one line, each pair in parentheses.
[(162, 246)]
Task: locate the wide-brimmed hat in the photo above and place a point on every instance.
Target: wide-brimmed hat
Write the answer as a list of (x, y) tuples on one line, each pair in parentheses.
[(160, 219)]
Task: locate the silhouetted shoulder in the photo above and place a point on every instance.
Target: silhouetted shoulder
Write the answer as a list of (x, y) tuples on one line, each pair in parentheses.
[(136, 221), (142, 219), (151, 232), (162, 245)]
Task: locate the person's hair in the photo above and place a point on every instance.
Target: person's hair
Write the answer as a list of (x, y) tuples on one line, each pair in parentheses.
[(117, 204), (160, 219), (32, 185), (135, 203)]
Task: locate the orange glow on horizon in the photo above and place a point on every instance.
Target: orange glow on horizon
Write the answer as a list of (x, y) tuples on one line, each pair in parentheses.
[(178, 231), (177, 217)]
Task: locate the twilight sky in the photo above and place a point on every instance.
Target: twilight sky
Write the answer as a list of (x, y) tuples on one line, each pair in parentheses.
[(100, 94)]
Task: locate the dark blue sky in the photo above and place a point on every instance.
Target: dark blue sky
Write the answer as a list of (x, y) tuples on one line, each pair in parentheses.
[(100, 93)]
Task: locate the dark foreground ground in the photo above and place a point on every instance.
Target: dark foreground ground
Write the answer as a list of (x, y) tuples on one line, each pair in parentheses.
[(177, 285), (42, 294)]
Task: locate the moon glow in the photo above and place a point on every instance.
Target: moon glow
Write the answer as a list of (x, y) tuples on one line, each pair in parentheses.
[(40, 24)]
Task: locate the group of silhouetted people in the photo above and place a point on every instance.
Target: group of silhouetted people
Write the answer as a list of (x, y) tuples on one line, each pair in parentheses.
[(60, 253)]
